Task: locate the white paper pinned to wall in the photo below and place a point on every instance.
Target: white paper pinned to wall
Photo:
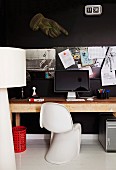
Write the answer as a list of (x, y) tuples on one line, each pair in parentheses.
[(108, 78), (96, 52), (66, 58)]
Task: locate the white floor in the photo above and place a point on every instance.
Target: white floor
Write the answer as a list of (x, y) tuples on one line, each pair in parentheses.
[(91, 157)]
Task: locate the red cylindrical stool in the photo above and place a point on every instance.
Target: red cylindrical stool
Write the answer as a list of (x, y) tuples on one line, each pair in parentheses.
[(19, 138)]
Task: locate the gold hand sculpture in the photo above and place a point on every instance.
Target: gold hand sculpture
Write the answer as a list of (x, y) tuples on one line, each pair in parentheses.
[(47, 26)]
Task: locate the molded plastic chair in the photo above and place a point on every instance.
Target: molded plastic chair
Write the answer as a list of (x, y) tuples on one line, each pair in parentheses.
[(65, 136)]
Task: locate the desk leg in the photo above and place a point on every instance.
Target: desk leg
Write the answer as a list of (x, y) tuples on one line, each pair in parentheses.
[(11, 117), (114, 114), (17, 119)]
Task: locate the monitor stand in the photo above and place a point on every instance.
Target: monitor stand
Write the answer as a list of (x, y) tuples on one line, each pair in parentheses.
[(72, 95)]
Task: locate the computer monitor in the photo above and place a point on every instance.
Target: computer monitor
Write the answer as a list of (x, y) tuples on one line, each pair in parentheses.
[(71, 81)]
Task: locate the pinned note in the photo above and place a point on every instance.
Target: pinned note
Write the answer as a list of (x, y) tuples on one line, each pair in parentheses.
[(66, 58), (108, 78), (85, 58), (97, 52)]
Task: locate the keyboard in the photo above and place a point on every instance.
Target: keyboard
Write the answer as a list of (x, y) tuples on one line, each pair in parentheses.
[(75, 100)]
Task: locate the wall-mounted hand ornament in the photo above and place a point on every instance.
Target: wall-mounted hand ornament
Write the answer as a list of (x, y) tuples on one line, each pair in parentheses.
[(48, 26)]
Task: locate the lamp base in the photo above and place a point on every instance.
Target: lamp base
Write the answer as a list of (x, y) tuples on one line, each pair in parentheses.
[(7, 155)]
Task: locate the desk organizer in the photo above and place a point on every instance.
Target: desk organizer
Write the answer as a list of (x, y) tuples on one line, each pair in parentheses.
[(103, 94)]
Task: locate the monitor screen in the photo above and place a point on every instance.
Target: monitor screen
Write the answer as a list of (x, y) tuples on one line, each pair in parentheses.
[(71, 81)]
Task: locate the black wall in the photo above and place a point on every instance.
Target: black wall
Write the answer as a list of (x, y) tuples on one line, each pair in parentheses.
[(2, 23), (83, 30)]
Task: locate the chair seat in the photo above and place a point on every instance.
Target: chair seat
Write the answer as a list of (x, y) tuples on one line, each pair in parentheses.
[(65, 146)]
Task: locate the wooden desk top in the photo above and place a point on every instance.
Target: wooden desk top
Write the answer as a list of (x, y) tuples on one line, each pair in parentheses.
[(97, 105)]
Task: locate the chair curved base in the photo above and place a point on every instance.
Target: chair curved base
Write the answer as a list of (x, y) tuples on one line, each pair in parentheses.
[(64, 147)]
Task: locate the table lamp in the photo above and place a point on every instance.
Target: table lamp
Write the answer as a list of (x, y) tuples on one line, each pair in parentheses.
[(12, 74)]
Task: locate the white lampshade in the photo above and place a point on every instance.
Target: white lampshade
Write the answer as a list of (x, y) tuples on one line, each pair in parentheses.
[(12, 67), (12, 74)]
